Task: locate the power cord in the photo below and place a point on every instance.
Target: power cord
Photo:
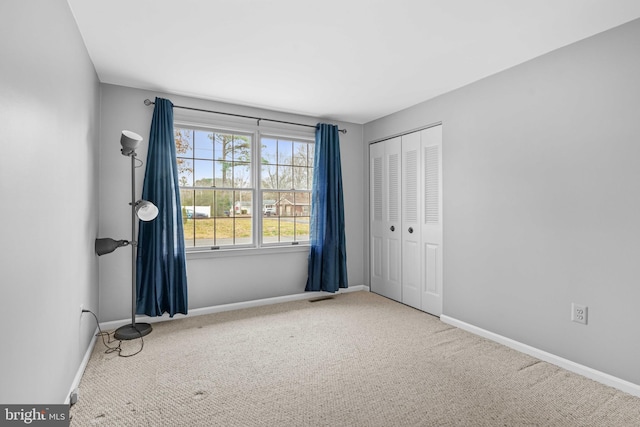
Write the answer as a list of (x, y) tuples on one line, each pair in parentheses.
[(116, 349)]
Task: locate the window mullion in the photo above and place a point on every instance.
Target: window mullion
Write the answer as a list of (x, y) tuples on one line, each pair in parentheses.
[(256, 162)]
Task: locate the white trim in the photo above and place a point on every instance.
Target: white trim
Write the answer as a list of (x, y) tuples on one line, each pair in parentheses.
[(83, 365), (233, 306), (601, 377), (203, 252), (407, 132)]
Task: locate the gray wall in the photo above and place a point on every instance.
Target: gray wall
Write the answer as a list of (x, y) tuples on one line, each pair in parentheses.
[(214, 278), (49, 100), (541, 208)]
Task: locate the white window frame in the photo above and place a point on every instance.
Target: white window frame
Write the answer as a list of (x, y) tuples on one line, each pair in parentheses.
[(261, 190), (257, 132)]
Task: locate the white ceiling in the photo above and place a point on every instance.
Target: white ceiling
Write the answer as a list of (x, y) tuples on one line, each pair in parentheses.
[(351, 60)]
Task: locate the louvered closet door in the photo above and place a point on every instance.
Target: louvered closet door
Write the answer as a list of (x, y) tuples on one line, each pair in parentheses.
[(411, 208), (385, 217), (431, 221)]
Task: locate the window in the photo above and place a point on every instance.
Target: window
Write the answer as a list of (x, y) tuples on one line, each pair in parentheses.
[(285, 177), (231, 200)]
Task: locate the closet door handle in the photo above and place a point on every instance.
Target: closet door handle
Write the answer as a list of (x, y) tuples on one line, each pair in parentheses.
[(392, 228), (410, 229)]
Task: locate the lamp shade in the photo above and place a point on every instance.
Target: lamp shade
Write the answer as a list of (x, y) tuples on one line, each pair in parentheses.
[(146, 210), (129, 141), (106, 245)]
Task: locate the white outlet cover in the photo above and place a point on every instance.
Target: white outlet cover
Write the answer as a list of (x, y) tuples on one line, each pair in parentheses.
[(579, 313)]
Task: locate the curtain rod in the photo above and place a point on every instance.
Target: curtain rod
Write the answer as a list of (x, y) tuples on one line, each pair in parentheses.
[(148, 102)]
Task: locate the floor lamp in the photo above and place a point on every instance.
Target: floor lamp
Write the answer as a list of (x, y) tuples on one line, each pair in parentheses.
[(144, 210)]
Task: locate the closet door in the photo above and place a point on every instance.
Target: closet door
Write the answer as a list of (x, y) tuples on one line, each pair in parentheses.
[(432, 229), (385, 218), (411, 208)]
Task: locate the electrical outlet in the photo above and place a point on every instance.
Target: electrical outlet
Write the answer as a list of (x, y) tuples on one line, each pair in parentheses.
[(73, 397), (579, 313)]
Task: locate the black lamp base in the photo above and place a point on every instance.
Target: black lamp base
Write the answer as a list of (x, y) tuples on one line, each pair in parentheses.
[(132, 331)]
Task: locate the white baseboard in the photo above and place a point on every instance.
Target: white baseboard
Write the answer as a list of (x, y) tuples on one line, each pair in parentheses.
[(601, 377), (233, 306), (81, 368)]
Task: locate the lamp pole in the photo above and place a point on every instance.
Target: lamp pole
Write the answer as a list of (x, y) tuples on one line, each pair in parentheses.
[(134, 330), (134, 245)]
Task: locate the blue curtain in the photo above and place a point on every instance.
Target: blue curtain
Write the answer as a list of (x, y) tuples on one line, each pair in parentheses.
[(161, 274), (328, 253)]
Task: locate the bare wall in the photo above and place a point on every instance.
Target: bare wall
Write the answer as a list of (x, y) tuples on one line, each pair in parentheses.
[(541, 209), (213, 278), (49, 100)]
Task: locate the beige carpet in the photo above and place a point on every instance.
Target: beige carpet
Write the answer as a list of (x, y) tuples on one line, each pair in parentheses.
[(355, 360)]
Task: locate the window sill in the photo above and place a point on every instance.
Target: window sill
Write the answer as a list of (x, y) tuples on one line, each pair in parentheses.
[(268, 250)]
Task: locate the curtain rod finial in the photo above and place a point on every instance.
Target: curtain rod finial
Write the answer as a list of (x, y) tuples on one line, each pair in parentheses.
[(147, 102)]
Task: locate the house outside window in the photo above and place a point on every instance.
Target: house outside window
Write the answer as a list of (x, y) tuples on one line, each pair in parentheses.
[(236, 193)]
